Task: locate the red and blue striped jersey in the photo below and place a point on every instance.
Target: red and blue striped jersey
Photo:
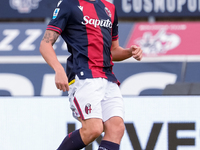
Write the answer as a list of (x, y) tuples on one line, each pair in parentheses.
[(88, 28)]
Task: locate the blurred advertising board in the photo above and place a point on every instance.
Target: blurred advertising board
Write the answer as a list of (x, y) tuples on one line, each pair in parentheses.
[(125, 8), (171, 54), (152, 123), (23, 39), (166, 38), (35, 79), (12, 9), (157, 8)]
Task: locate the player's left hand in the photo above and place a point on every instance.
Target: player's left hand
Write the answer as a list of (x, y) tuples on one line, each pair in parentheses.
[(136, 52)]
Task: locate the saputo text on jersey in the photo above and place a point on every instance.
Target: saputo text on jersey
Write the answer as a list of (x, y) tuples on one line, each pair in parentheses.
[(103, 23)]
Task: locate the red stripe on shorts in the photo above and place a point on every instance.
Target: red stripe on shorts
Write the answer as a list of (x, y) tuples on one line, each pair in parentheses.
[(78, 108)]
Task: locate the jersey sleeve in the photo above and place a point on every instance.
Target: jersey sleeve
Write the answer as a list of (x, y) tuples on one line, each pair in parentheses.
[(60, 17), (115, 28)]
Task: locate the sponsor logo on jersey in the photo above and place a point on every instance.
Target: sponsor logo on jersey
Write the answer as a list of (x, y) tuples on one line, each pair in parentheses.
[(88, 108), (96, 22), (108, 12), (55, 13), (24, 6)]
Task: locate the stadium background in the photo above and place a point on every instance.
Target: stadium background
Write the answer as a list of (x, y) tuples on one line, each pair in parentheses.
[(160, 92)]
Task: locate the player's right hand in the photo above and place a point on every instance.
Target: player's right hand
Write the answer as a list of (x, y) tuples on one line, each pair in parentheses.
[(61, 81)]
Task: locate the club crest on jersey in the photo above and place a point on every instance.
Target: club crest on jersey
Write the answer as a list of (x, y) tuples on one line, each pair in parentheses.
[(108, 12), (24, 6), (55, 13), (88, 108)]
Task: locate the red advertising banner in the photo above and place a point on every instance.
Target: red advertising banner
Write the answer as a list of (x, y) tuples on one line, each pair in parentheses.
[(169, 38)]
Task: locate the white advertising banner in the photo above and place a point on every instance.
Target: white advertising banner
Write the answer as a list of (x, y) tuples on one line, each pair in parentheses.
[(152, 123)]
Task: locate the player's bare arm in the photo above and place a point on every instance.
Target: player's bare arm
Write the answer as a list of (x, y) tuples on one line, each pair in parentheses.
[(50, 37), (48, 53), (119, 53)]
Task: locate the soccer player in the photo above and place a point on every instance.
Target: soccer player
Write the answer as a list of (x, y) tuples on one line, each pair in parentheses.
[(90, 29)]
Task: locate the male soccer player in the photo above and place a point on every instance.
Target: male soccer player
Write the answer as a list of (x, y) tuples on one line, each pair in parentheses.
[(90, 29)]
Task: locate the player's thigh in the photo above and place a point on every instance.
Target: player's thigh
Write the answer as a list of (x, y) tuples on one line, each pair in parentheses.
[(113, 103)]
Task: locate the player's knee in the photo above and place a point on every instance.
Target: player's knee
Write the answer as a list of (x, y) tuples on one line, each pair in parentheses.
[(120, 128), (92, 129), (116, 126), (114, 130), (90, 134), (96, 132)]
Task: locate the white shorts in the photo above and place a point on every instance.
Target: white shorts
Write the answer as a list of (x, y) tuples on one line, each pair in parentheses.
[(95, 98)]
